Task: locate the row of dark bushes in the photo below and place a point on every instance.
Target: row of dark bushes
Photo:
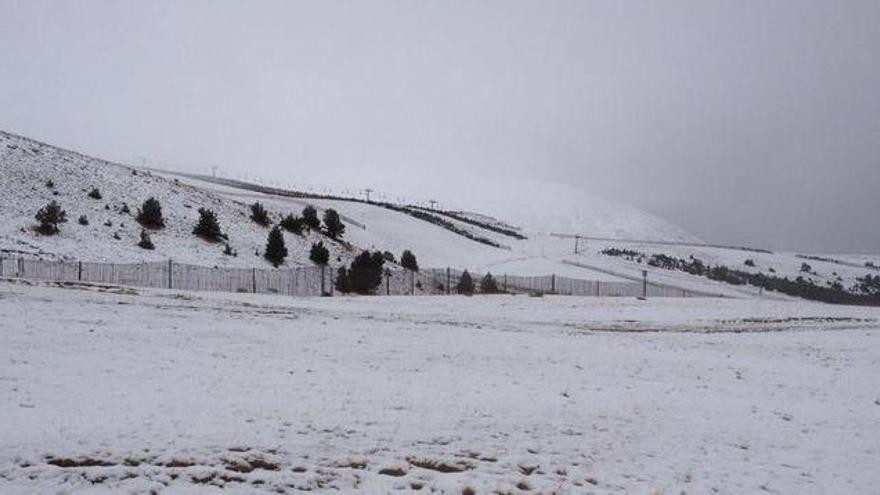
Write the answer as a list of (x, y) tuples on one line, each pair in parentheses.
[(865, 292)]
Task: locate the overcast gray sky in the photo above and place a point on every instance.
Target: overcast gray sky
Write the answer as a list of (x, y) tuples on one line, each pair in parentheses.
[(752, 122)]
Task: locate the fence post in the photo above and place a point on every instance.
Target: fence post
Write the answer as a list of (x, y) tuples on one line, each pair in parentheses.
[(505, 282), (448, 280), (79, 271), (645, 284), (322, 279), (598, 292), (254, 279), (1, 266), (412, 282), (553, 284), (20, 268), (170, 271)]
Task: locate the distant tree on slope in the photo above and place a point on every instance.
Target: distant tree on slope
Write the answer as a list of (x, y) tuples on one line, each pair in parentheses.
[(310, 218), (259, 214), (333, 224), (208, 227), (465, 284), (408, 261), (319, 254), (276, 251), (49, 217), (150, 214)]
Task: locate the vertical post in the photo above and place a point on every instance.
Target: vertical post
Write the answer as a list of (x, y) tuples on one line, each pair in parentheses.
[(645, 284), (448, 280), (553, 284), (79, 271), (170, 271), (254, 279), (576, 239), (597, 288), (20, 267), (387, 283), (412, 282), (505, 282), (322, 279)]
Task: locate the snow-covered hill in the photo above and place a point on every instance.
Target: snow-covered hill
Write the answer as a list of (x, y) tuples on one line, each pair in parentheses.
[(536, 212), (111, 235)]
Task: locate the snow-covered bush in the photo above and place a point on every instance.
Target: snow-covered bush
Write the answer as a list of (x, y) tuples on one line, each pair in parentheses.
[(49, 217), (146, 242), (319, 253), (150, 214), (208, 227), (259, 214), (276, 251)]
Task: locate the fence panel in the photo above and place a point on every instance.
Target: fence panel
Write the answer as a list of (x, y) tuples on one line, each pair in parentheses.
[(307, 281)]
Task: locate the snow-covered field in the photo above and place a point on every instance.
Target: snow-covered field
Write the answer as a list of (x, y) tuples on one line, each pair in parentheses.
[(117, 390)]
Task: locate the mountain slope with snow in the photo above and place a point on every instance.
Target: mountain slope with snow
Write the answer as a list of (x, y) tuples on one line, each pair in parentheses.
[(112, 234)]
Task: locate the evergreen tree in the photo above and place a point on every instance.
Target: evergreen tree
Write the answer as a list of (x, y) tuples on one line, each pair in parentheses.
[(488, 285), (365, 273), (208, 227), (49, 217), (319, 253), (389, 257), (228, 251), (408, 261), (465, 284), (259, 214), (95, 193), (276, 251), (292, 224), (333, 223), (150, 214), (83, 220), (310, 218), (146, 242), (343, 284)]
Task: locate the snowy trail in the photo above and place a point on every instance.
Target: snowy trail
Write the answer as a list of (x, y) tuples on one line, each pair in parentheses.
[(120, 390)]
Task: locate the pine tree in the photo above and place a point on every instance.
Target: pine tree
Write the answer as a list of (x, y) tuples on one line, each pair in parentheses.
[(408, 261), (276, 251), (488, 285), (146, 242), (365, 273), (333, 224), (95, 193), (310, 218), (49, 217), (150, 214), (343, 284), (292, 224), (83, 220), (259, 214), (319, 254), (465, 284), (208, 227)]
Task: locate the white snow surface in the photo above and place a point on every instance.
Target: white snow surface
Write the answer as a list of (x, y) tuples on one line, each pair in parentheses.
[(117, 390)]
